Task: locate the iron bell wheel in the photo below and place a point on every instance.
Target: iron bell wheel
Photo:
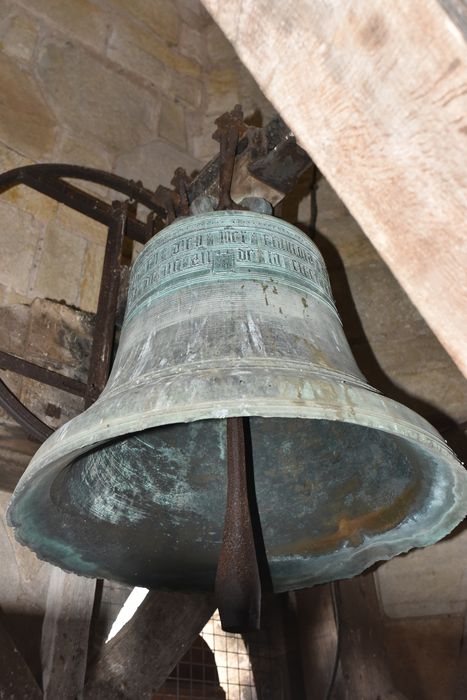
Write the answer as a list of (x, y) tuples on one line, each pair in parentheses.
[(231, 314)]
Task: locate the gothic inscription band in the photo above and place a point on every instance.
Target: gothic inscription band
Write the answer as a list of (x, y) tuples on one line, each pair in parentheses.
[(241, 250)]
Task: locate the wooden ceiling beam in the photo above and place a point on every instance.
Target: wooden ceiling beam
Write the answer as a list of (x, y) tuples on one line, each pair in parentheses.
[(377, 95), (137, 661)]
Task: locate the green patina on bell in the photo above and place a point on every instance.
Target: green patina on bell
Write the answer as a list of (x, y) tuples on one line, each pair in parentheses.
[(231, 314)]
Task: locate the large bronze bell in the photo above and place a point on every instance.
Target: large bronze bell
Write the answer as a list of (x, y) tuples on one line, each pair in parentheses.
[(230, 314)]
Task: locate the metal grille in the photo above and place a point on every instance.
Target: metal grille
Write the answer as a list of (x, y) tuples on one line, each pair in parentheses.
[(216, 667), (232, 660)]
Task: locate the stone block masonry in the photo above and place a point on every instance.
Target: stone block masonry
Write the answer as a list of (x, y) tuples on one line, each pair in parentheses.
[(129, 87)]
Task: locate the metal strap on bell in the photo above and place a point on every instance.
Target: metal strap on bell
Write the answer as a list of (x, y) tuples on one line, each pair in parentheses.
[(231, 314)]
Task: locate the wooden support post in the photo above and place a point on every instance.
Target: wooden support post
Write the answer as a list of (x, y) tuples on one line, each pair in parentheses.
[(375, 92), (136, 662), (363, 670), (273, 649), (318, 641), (460, 691), (16, 680), (65, 634), (363, 657)]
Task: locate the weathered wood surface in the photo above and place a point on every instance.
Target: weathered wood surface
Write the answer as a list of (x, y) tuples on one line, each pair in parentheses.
[(460, 691), (363, 669), (318, 641), (363, 657), (137, 661), (377, 95), (16, 680), (274, 653), (65, 634)]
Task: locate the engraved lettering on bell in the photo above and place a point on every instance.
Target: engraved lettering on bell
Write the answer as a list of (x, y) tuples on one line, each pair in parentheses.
[(248, 247), (231, 314), (224, 261)]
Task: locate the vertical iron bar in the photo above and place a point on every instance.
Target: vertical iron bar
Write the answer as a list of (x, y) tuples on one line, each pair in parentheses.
[(228, 147), (102, 343), (229, 127), (107, 306), (238, 583)]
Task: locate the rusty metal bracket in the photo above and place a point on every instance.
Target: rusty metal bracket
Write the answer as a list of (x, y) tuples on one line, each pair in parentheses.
[(47, 179), (17, 410), (181, 182), (102, 342), (41, 374), (270, 168), (230, 126)]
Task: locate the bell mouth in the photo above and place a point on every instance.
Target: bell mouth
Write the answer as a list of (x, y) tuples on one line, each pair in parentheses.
[(148, 508)]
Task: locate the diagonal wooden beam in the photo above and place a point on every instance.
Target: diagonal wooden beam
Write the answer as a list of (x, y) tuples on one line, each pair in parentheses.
[(16, 680), (136, 662), (376, 94)]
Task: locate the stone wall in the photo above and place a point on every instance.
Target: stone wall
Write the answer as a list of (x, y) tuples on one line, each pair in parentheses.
[(133, 88)]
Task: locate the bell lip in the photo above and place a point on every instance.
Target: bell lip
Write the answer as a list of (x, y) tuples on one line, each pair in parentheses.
[(324, 563), (69, 441), (65, 449)]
